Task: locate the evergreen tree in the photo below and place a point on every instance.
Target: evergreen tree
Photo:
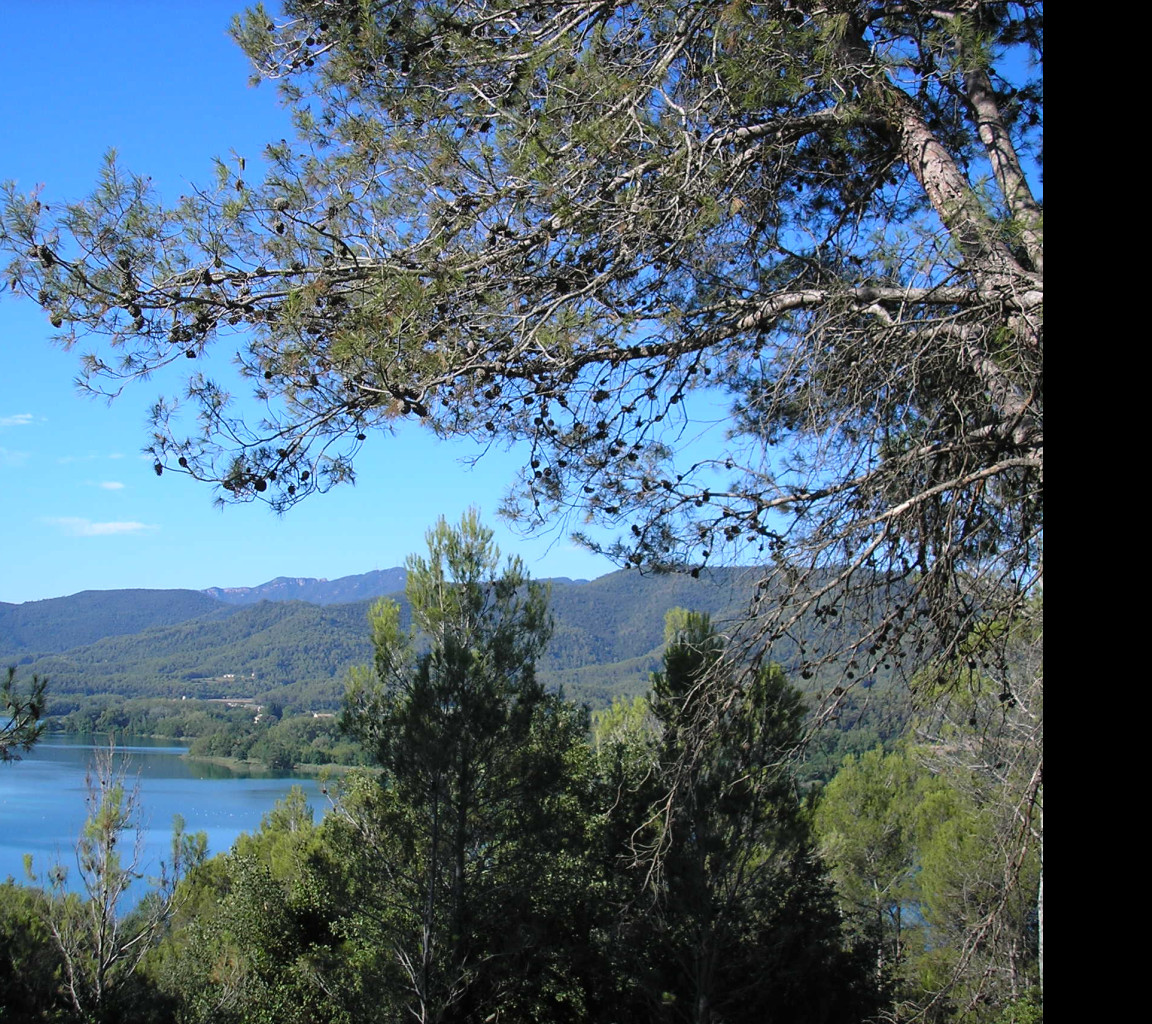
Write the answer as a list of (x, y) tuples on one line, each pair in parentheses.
[(267, 932), (30, 962), (476, 819), (915, 844), (20, 724), (742, 920), (101, 943), (553, 223), (517, 219), (866, 820)]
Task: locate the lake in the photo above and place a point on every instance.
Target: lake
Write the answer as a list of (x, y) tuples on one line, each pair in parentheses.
[(42, 808)]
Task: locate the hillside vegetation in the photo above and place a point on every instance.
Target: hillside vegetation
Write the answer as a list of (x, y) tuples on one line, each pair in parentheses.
[(63, 623), (145, 643)]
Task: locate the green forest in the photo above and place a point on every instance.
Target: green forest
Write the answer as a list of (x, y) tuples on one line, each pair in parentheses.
[(504, 851), (263, 683), (737, 283), (149, 643)]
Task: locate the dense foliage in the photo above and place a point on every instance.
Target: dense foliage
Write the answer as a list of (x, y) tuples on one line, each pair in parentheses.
[(564, 224), (21, 710), (917, 859), (558, 222), (503, 857), (62, 623), (224, 670), (606, 640)]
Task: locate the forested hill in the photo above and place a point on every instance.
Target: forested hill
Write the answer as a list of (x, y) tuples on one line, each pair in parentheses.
[(229, 652), (62, 623), (609, 633), (185, 643)]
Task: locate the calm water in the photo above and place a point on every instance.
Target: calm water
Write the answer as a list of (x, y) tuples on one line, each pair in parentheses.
[(42, 805)]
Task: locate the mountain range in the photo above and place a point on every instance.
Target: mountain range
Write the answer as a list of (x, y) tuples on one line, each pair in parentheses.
[(294, 588), (294, 639)]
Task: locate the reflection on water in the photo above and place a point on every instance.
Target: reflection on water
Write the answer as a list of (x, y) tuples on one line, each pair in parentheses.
[(42, 807)]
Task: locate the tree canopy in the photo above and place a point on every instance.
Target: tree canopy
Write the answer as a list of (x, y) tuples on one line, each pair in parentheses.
[(473, 819), (21, 725), (564, 223), (742, 915)]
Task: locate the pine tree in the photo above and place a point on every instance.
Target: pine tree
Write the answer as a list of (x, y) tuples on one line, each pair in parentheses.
[(742, 921), (475, 819), (556, 223), (21, 726)]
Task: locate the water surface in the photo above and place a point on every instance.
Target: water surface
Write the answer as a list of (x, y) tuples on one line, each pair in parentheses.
[(42, 800)]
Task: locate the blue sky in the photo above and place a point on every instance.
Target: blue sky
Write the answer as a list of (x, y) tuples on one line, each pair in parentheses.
[(82, 508)]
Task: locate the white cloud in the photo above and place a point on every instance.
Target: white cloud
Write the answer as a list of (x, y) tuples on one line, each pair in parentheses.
[(74, 526), (10, 459), (20, 419), (106, 485)]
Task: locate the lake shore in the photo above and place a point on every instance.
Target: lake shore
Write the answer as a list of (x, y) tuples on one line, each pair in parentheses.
[(247, 766), (44, 806)]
